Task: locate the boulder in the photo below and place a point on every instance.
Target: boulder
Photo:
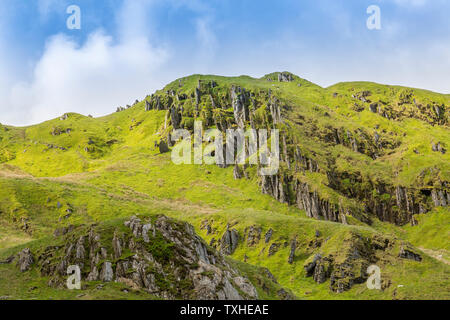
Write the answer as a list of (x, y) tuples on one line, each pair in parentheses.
[(285, 77)]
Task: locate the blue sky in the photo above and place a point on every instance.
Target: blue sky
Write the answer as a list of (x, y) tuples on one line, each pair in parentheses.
[(127, 49)]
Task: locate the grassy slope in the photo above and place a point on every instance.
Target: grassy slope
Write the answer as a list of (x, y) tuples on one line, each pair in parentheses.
[(122, 177)]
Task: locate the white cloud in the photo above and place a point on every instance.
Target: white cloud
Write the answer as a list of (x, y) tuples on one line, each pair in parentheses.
[(104, 72), (94, 78)]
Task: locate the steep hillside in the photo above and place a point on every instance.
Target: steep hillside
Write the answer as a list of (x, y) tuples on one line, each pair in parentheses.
[(364, 169)]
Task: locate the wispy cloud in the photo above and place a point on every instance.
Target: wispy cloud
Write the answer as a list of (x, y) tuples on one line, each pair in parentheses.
[(92, 79)]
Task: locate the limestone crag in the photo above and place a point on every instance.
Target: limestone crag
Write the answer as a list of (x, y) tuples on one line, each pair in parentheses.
[(162, 257)]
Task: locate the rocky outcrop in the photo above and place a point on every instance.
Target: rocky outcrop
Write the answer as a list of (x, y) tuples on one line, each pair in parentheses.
[(148, 106), (348, 264), (175, 117), (408, 202), (229, 241), (441, 198), (292, 252), (407, 106), (237, 172), (232, 106), (64, 230), (394, 204), (253, 235), (240, 100), (163, 147), (268, 235), (107, 274), (438, 148), (316, 207), (160, 256), (207, 225), (275, 110), (303, 162), (407, 252), (57, 131), (159, 102), (285, 77), (275, 186), (311, 266), (374, 107), (274, 247)]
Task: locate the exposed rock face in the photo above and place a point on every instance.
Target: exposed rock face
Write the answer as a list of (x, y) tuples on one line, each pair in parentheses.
[(117, 246), (107, 274), (207, 225), (438, 148), (229, 241), (237, 172), (148, 106), (441, 198), (268, 235), (292, 253), (273, 249), (316, 207), (175, 116), (263, 109), (240, 99), (310, 267), (164, 258), (407, 253), (285, 77), (274, 186), (405, 202), (64, 230), (25, 260), (253, 235), (348, 266), (275, 111)]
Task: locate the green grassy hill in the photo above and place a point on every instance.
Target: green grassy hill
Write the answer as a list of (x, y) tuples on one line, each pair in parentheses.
[(364, 176)]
